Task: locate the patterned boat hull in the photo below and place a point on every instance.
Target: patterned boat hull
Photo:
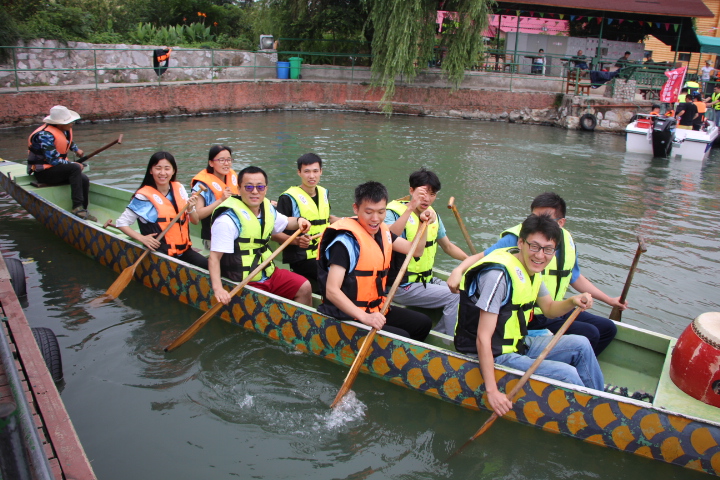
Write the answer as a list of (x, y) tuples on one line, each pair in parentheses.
[(594, 417)]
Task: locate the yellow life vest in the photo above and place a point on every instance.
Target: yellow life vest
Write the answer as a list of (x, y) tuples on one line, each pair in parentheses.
[(556, 278), (318, 214), (419, 269), (514, 315), (251, 246)]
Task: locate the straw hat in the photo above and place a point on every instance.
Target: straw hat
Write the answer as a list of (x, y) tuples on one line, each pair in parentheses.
[(60, 115)]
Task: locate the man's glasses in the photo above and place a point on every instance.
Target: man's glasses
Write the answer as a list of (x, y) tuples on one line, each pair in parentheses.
[(250, 188), (534, 247), (223, 160)]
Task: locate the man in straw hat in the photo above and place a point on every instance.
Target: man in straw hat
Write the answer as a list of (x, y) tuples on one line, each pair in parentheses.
[(48, 148)]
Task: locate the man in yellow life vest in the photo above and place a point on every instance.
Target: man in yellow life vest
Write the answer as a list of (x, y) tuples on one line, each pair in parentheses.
[(310, 201), (353, 264), (498, 294), (713, 104), (240, 233), (563, 271), (48, 149), (419, 287)]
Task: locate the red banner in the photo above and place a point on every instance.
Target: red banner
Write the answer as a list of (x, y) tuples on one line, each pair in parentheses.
[(671, 89)]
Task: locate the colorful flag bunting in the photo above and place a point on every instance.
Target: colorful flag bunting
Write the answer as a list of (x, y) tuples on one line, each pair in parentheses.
[(667, 27), (562, 16), (676, 26), (572, 18), (620, 21), (610, 20)]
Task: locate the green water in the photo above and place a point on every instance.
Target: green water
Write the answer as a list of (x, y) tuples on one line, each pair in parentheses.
[(233, 404)]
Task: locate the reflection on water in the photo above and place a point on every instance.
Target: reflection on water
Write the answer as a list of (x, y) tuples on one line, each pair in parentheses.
[(231, 403)]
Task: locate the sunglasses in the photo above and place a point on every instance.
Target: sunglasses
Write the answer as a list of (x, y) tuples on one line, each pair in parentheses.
[(250, 188)]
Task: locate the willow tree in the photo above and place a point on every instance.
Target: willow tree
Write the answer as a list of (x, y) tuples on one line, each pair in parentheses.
[(405, 34)]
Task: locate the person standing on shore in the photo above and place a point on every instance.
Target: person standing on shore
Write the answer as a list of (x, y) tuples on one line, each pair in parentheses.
[(48, 149)]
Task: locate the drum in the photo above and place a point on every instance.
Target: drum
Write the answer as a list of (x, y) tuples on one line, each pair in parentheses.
[(695, 363)]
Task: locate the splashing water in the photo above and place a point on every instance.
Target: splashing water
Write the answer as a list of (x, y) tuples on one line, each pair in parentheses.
[(348, 410)]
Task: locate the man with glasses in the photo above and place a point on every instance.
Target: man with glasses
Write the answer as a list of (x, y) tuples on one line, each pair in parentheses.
[(497, 298), (562, 271), (240, 232)]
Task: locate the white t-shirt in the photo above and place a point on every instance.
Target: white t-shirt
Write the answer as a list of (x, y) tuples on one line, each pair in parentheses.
[(706, 73), (224, 232)]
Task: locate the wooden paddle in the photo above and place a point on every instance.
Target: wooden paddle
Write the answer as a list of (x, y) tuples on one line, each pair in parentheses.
[(524, 378), (126, 275), (101, 149), (616, 313), (205, 318), (451, 206), (365, 348)]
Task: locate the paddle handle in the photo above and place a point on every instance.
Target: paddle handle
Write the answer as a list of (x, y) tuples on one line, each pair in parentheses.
[(101, 149), (451, 206), (523, 380), (616, 313), (200, 322), (364, 350)]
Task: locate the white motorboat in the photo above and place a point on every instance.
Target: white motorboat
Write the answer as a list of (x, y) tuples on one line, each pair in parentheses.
[(658, 136)]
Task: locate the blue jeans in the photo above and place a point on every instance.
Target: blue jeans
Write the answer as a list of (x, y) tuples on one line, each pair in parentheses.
[(600, 331), (571, 361)]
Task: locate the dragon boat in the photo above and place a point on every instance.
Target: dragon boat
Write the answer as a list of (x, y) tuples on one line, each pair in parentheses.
[(666, 424)]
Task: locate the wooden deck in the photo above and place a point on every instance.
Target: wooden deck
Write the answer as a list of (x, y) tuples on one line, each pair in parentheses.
[(62, 446)]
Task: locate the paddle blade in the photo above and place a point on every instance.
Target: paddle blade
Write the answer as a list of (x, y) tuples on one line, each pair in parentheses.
[(193, 329), (616, 314), (354, 368), (120, 283)]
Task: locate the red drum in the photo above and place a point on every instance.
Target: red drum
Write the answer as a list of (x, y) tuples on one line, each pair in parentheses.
[(695, 364)]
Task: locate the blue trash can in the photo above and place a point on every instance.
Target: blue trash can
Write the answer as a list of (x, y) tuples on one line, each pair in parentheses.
[(283, 70)]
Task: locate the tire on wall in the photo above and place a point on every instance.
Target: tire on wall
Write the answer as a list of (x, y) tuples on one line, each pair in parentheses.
[(48, 344), (17, 276), (588, 122)]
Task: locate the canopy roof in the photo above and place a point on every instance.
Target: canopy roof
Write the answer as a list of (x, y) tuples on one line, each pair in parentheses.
[(709, 44), (663, 19), (684, 8)]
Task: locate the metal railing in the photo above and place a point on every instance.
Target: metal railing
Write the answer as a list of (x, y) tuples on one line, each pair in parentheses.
[(93, 66)]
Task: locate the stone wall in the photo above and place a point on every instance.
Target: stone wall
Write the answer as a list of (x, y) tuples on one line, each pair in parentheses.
[(152, 100), (49, 62)]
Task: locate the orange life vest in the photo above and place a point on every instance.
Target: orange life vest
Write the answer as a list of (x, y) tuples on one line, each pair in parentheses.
[(365, 285), (177, 240), (217, 187), (62, 145)]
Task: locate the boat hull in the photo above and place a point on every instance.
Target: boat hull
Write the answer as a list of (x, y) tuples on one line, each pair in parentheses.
[(592, 416), (687, 144)]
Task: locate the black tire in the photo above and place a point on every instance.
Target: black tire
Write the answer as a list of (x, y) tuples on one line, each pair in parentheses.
[(17, 276), (588, 122), (50, 350)]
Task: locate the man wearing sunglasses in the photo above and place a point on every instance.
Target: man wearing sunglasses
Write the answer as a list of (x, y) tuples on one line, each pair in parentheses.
[(562, 271), (497, 297), (240, 232)]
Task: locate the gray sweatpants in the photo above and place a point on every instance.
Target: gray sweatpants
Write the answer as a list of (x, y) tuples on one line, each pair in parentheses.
[(435, 294)]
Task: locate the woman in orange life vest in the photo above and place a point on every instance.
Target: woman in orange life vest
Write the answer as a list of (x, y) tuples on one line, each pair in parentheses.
[(221, 182), (155, 204)]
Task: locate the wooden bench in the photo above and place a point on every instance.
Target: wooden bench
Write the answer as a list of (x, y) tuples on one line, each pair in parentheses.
[(574, 82)]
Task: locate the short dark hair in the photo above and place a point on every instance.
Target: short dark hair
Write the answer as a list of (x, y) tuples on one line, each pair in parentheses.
[(627, 53), (308, 159), (549, 200), (424, 177), (655, 105), (250, 170), (372, 191), (542, 224)]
